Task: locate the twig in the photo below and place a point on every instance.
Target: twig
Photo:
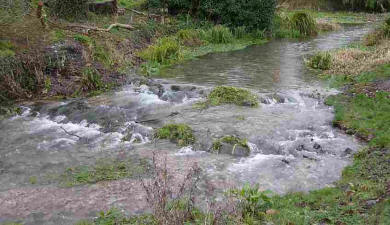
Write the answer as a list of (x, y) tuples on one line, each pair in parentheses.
[(68, 133), (142, 13)]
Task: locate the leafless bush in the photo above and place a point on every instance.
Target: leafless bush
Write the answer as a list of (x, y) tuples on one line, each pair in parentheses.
[(171, 204), (175, 204)]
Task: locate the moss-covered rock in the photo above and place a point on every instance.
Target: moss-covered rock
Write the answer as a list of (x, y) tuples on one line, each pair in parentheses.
[(231, 145), (181, 134), (232, 95)]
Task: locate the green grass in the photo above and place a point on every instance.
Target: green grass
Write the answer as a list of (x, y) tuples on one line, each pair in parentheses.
[(103, 170), (188, 44), (181, 134), (230, 140), (231, 95)]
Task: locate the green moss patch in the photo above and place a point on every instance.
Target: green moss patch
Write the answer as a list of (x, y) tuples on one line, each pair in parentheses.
[(232, 95), (103, 170), (181, 134)]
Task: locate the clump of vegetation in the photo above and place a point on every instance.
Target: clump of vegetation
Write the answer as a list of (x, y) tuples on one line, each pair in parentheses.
[(189, 37), (181, 134), (69, 9), (253, 14), (232, 140), (92, 80), (164, 51), (83, 39), (220, 35), (6, 49), (103, 170), (304, 23), (321, 60), (232, 95), (254, 202)]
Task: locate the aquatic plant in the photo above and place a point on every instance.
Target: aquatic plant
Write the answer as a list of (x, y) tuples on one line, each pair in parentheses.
[(232, 95), (321, 60), (181, 134), (189, 37), (304, 23)]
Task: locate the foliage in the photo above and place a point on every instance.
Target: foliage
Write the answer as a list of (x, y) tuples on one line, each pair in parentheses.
[(83, 39), (92, 80), (369, 5), (164, 51), (69, 9), (232, 95), (253, 14), (220, 35), (304, 23), (321, 60), (179, 133), (12, 11), (103, 170), (255, 202), (6, 49)]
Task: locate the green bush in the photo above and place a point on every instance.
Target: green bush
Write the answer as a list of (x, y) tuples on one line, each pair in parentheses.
[(367, 5), (178, 133), (304, 23), (220, 35), (163, 51), (231, 95), (69, 9), (253, 14), (322, 61)]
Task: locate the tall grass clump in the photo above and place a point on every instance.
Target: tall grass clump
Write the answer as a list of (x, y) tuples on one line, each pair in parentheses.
[(189, 37), (92, 80), (69, 9), (322, 61), (304, 23), (164, 51), (220, 35)]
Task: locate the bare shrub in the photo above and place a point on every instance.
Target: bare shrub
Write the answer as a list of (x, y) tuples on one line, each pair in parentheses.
[(171, 204)]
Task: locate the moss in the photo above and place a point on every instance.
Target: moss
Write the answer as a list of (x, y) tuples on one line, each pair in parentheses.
[(181, 134), (103, 170), (232, 95)]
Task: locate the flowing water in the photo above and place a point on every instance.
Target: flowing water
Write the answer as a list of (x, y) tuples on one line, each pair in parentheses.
[(293, 145)]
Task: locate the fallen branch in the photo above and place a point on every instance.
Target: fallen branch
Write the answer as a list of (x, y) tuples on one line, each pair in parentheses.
[(68, 133), (125, 26), (142, 13)]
